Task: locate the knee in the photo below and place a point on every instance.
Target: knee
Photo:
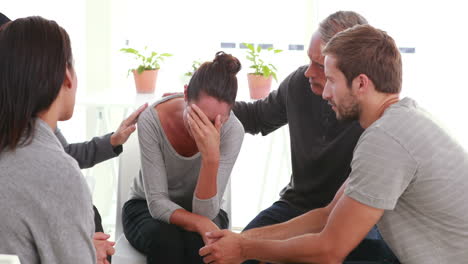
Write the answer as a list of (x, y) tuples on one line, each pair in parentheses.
[(164, 237)]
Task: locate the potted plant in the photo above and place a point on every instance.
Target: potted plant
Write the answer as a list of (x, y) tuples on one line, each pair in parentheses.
[(146, 72), (260, 80)]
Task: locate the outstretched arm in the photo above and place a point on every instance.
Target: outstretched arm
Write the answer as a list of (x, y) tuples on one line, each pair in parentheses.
[(100, 149), (310, 222), (266, 115), (348, 224)]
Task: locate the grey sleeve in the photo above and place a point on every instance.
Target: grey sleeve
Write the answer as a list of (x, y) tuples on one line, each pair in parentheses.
[(231, 142), (381, 170), (153, 170), (91, 152), (68, 223)]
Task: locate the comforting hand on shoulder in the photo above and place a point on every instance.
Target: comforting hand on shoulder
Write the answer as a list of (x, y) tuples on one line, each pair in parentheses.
[(126, 128), (205, 133)]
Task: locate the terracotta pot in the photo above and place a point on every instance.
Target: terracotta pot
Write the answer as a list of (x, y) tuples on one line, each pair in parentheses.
[(145, 82), (259, 86)]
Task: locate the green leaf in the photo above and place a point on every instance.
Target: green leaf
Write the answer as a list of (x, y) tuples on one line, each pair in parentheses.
[(274, 76), (266, 71), (140, 69), (270, 48), (129, 50), (278, 51), (150, 62), (250, 58), (259, 48)]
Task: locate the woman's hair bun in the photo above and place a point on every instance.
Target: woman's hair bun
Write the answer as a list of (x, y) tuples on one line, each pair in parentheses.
[(228, 62)]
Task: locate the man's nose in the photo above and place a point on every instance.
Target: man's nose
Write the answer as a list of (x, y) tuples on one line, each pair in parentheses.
[(312, 71)]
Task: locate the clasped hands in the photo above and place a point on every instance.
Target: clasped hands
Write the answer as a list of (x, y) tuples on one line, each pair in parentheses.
[(225, 247)]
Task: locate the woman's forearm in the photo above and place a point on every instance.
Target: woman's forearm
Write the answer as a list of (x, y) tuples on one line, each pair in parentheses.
[(193, 223), (207, 179), (187, 220)]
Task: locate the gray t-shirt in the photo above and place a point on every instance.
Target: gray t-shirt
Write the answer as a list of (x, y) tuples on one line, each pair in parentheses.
[(167, 180), (46, 212), (406, 164)]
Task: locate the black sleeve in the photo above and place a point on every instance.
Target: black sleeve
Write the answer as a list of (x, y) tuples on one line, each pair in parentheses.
[(89, 153), (268, 114)]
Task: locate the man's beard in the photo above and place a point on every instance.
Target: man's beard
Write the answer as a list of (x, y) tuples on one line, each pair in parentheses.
[(349, 111)]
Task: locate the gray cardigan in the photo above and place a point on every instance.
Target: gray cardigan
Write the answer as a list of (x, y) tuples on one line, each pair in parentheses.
[(46, 209)]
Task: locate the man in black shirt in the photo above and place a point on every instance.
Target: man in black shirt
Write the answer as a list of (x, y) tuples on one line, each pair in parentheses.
[(321, 147)]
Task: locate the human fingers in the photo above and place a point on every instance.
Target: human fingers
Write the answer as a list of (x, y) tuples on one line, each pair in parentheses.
[(110, 250), (101, 236), (128, 131), (217, 234), (206, 250), (209, 259), (202, 115), (195, 116), (194, 127), (132, 119), (218, 123)]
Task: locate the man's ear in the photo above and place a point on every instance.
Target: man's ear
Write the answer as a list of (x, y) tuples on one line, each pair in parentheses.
[(361, 84)]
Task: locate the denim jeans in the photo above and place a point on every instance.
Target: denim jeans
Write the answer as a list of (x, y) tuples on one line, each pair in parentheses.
[(372, 250)]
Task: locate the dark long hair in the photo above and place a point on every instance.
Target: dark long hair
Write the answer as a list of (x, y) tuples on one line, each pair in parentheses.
[(216, 78), (34, 55)]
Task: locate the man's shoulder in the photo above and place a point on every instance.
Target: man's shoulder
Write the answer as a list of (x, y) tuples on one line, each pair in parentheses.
[(298, 74), (403, 117)]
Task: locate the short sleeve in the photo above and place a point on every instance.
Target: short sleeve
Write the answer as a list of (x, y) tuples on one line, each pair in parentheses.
[(381, 170)]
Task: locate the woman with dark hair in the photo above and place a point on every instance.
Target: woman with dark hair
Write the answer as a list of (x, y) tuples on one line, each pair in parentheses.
[(45, 210), (189, 144)]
